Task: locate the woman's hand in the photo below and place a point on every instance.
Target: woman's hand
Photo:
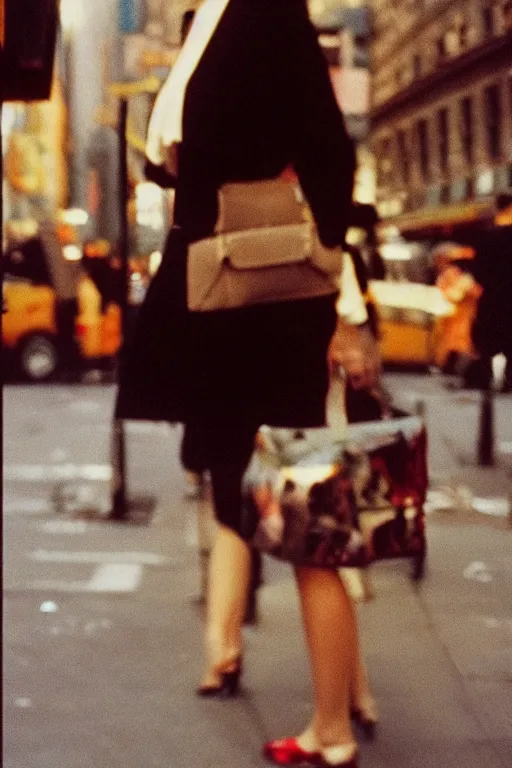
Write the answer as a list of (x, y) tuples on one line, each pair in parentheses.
[(355, 349)]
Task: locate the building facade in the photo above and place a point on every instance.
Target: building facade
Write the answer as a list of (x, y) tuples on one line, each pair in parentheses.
[(344, 31), (441, 109), (344, 34)]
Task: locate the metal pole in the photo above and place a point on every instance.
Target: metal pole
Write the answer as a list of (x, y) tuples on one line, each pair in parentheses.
[(486, 428), (123, 213), (1, 189), (4, 309), (118, 458), (69, 94)]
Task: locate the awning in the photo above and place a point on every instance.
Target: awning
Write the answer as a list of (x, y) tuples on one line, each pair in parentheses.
[(443, 218)]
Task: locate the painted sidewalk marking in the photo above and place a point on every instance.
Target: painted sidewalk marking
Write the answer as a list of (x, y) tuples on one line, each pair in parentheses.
[(115, 578), (87, 558), (112, 578), (68, 526), (36, 473), (26, 506)]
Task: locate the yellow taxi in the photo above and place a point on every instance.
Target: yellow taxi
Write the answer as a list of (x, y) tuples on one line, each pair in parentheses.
[(30, 337), (422, 321), (411, 321), (35, 290)]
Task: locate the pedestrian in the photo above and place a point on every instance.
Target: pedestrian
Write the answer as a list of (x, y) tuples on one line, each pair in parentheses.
[(249, 97), (492, 268), (66, 278), (459, 287), (191, 458)]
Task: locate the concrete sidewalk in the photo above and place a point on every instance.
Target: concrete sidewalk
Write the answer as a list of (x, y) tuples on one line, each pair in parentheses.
[(107, 679), (453, 423)]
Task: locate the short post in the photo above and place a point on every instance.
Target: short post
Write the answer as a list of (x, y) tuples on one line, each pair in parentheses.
[(485, 446), (124, 510), (119, 496)]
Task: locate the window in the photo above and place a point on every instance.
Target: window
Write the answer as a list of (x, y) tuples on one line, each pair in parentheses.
[(443, 129), (403, 155), (463, 36), (507, 15), (451, 41), (466, 128), (423, 149), (488, 20), (385, 162), (493, 120)]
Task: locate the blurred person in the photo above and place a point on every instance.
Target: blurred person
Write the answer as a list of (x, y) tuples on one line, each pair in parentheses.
[(65, 278), (460, 288), (96, 261), (492, 268), (251, 96), (192, 460)]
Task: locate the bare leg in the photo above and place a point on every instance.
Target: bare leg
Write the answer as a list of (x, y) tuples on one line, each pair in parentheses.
[(362, 698), (228, 584), (331, 635)]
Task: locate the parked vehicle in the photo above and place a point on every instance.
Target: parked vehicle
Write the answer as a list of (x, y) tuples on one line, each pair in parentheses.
[(411, 318), (55, 320), (417, 317)]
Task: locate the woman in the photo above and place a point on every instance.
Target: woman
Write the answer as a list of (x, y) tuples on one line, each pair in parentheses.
[(250, 98), (460, 288)]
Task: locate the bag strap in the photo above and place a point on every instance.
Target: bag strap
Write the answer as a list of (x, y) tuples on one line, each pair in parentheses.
[(335, 403), (335, 407)]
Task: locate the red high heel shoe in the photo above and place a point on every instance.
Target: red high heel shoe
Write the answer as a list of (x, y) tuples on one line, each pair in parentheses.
[(288, 752)]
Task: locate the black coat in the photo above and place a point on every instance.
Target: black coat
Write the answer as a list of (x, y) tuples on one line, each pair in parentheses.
[(259, 101), (492, 268)]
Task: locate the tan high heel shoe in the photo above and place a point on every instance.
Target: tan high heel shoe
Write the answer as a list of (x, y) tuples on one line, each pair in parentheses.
[(229, 681)]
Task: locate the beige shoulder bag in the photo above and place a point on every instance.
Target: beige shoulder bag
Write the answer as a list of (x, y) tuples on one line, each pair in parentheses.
[(265, 249)]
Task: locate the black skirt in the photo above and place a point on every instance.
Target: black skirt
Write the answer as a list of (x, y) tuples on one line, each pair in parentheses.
[(265, 364)]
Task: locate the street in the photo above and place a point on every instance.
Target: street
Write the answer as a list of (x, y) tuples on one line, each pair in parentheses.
[(102, 622)]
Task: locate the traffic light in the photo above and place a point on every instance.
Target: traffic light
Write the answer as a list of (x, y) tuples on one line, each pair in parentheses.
[(27, 55)]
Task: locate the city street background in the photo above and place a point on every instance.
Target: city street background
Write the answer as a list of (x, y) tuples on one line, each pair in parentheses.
[(102, 622)]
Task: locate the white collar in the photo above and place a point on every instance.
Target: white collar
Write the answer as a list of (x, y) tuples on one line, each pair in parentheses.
[(166, 122)]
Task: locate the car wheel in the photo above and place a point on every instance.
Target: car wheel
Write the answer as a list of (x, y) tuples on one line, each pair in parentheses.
[(38, 358)]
